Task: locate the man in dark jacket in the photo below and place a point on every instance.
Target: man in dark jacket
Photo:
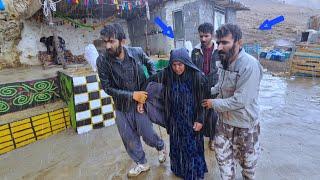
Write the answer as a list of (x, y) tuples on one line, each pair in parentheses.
[(205, 57), (121, 75)]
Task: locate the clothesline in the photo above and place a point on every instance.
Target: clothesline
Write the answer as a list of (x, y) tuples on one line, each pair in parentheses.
[(123, 5), (104, 2), (82, 7)]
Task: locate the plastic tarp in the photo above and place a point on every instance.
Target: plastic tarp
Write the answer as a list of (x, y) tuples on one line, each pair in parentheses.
[(275, 55), (91, 54)]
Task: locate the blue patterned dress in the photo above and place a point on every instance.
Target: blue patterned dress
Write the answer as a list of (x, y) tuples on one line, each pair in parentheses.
[(182, 107), (186, 145)]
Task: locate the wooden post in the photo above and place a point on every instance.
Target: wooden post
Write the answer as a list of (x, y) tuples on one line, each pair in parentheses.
[(146, 36), (60, 54), (146, 28)]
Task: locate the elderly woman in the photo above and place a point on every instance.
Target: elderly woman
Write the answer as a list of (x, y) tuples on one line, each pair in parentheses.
[(182, 85)]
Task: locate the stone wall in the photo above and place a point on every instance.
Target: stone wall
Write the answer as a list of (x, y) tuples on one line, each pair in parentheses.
[(204, 11), (195, 12), (231, 16), (157, 43), (76, 39), (10, 29), (19, 38), (191, 14), (20, 35), (137, 28), (173, 6)]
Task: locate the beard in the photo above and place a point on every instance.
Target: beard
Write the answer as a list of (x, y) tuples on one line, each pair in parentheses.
[(225, 57), (115, 53)]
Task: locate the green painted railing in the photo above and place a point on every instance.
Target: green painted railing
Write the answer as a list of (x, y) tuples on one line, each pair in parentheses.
[(160, 64)]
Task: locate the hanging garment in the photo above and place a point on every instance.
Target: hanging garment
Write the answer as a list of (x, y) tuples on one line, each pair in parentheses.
[(2, 6)]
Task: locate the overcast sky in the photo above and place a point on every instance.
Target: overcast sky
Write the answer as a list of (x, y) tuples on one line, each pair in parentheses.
[(307, 3)]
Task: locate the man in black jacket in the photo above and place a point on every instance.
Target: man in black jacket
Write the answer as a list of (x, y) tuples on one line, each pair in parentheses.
[(121, 75), (205, 57)]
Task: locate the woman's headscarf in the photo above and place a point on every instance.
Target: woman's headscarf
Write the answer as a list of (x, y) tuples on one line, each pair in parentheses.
[(182, 55)]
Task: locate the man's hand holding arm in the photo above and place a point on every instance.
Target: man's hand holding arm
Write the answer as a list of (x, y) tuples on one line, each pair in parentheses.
[(140, 96)]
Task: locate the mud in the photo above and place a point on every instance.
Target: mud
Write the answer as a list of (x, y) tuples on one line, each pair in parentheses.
[(290, 136)]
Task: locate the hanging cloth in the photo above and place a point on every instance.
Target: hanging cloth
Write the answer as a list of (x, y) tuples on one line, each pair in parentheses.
[(75, 1), (126, 6), (130, 6), (2, 6), (148, 11), (86, 2)]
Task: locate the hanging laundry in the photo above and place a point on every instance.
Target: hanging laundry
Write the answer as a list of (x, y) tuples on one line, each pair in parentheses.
[(129, 6), (86, 2), (133, 5), (126, 6), (148, 11), (75, 1), (115, 2), (2, 6)]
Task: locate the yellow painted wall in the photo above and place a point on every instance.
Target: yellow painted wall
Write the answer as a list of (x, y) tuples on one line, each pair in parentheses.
[(20, 133)]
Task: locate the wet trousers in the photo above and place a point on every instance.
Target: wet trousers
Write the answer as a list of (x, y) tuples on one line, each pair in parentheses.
[(233, 143), (131, 125)]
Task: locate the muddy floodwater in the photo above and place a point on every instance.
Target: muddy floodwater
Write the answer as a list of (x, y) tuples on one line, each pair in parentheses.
[(290, 137)]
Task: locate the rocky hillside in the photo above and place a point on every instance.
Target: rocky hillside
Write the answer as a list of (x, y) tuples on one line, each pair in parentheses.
[(296, 19)]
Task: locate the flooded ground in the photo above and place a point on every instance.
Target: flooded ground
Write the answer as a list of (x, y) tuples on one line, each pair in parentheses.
[(290, 138)]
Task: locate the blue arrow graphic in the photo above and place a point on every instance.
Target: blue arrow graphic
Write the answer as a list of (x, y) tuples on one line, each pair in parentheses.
[(267, 25), (166, 30)]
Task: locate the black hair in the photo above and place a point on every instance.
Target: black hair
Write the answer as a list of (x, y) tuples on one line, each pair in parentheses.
[(43, 39), (227, 29), (113, 30), (206, 28)]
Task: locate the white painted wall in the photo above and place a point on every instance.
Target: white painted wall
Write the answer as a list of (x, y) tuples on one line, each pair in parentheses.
[(76, 39)]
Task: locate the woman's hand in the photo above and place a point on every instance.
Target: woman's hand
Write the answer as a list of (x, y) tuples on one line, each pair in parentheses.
[(140, 108), (197, 126)]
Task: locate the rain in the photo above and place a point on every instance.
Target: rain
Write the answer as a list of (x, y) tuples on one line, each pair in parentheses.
[(86, 90)]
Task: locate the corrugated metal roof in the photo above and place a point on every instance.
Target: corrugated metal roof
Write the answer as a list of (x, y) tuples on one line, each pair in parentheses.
[(235, 4)]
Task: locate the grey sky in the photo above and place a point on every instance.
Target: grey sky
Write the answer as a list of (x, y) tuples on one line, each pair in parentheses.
[(307, 3)]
